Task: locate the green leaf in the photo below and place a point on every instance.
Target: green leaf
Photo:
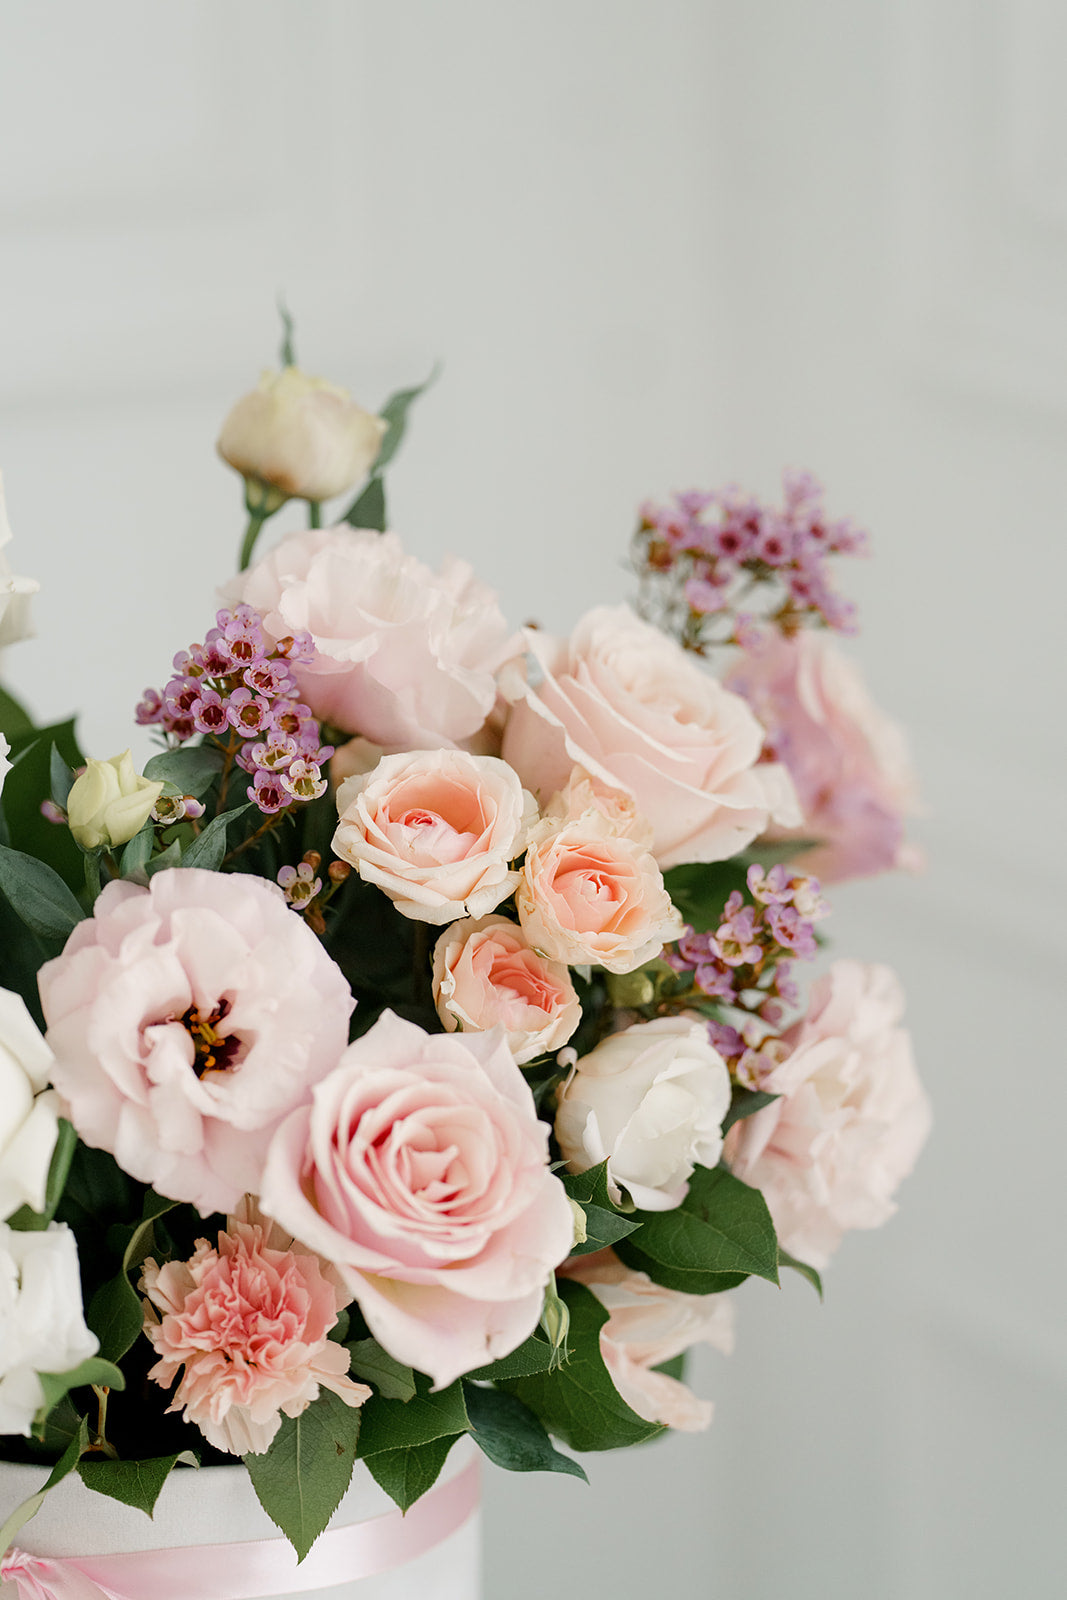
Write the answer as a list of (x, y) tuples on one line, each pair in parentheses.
[(66, 1463), (135, 1483), (786, 1260), (745, 1103), (61, 777), (168, 858), (138, 852), (287, 352), (192, 769), (700, 890), (533, 1355), (405, 1475), (394, 414), (721, 1232), (209, 847), (767, 854), (55, 1385), (368, 509), (511, 1436), (27, 785), (39, 895), (578, 1402), (27, 1221), (408, 1424), (376, 1366), (301, 1479), (605, 1223), (15, 720), (115, 1312)]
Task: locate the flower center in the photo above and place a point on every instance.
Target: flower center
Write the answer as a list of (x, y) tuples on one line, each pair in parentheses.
[(212, 1051)]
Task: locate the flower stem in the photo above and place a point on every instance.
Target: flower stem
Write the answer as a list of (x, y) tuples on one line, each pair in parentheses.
[(256, 519), (314, 514)]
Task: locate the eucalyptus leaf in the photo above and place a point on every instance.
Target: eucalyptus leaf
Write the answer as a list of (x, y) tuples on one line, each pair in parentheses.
[(301, 1478), (61, 777), (407, 1474), (209, 847), (192, 769), (511, 1436), (39, 895), (138, 852), (167, 859)]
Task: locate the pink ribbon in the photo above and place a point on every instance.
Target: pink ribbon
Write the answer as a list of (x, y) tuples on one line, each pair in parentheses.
[(257, 1568)]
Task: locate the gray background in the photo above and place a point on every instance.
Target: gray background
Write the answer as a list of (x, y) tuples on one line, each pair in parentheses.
[(655, 245)]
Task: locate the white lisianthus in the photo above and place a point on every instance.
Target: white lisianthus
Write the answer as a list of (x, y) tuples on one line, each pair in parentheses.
[(29, 1121), (110, 802), (42, 1325), (14, 592), (5, 765), (650, 1101), (303, 437)]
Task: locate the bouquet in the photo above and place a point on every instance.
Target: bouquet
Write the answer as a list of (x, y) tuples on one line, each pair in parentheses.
[(414, 1048)]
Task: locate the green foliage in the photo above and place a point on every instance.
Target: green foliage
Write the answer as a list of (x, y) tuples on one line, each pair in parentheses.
[(745, 1103), (191, 769), (57, 1385), (30, 782), (15, 720), (287, 352), (135, 857), (533, 1355), (578, 1402), (208, 848), (405, 1475), (604, 1221), (409, 1424), (66, 1463), (786, 1260), (720, 1234), (39, 896), (302, 1477), (368, 509), (700, 890), (60, 778), (373, 1365), (511, 1436), (135, 1483), (27, 1221), (115, 1313)]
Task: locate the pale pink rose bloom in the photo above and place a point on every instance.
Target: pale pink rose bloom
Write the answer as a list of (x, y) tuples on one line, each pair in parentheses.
[(583, 794), (647, 1326), (588, 896), (627, 704), (421, 1171), (852, 1118), (249, 1322), (436, 831), (649, 1101), (405, 656), (848, 760), (187, 1019), (485, 975)]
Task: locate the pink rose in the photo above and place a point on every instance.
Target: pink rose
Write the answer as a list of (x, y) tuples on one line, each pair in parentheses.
[(485, 975), (436, 831), (851, 1120), (647, 1326), (650, 1102), (405, 656), (250, 1324), (587, 896), (626, 703), (421, 1171), (583, 794), (187, 1019), (849, 762)]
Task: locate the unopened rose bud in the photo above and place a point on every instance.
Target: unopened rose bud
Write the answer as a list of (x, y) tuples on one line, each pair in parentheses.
[(581, 1232), (338, 871), (556, 1321), (301, 437), (110, 802)]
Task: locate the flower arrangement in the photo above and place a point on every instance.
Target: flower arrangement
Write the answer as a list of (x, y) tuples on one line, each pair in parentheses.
[(414, 1048)]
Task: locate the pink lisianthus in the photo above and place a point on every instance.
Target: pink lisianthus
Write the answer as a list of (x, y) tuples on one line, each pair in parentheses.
[(648, 1325), (486, 975), (829, 1155), (187, 1019), (403, 655), (848, 760), (249, 1322), (421, 1171), (628, 705)]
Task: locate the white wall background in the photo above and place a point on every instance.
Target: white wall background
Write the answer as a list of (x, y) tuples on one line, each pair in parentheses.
[(655, 245)]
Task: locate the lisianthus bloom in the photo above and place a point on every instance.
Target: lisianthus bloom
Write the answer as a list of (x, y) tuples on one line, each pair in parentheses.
[(486, 975), (110, 802), (436, 830), (629, 706), (187, 1019), (14, 592), (405, 656), (42, 1326), (303, 437), (648, 1325), (421, 1171), (650, 1101), (249, 1322), (848, 760), (852, 1116), (28, 1109)]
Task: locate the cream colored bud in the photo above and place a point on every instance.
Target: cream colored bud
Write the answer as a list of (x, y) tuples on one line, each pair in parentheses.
[(110, 802), (581, 1232), (304, 437)]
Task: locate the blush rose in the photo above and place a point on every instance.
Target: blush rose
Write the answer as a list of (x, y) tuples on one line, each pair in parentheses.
[(436, 830), (486, 975), (629, 706), (421, 1171)]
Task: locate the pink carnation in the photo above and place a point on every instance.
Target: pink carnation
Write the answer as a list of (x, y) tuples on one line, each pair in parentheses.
[(187, 1020), (848, 760), (852, 1117), (249, 1322)]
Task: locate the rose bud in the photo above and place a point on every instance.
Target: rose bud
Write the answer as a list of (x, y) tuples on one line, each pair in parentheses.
[(110, 802), (302, 437)]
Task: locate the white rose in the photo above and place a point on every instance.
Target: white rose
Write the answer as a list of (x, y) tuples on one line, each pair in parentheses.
[(14, 592), (110, 802), (650, 1101), (28, 1109), (305, 437), (42, 1326)]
